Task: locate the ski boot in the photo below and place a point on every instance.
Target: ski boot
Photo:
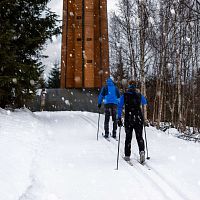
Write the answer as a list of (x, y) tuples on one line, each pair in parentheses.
[(142, 157)]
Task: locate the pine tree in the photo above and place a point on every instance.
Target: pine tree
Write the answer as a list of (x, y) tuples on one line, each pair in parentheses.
[(54, 78), (25, 26)]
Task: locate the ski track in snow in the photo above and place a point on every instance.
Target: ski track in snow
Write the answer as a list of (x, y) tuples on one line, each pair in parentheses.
[(154, 177), (63, 160)]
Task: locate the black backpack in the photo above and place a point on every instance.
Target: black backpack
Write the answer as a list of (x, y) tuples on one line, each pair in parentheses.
[(133, 112)]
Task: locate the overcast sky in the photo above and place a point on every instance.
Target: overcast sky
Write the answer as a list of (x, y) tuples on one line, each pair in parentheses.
[(53, 50)]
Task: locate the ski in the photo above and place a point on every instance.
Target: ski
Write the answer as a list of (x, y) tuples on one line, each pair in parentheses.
[(141, 163), (116, 139), (128, 161), (113, 137), (144, 164), (106, 138)]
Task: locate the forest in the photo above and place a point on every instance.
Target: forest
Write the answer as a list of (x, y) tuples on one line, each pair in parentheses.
[(157, 44)]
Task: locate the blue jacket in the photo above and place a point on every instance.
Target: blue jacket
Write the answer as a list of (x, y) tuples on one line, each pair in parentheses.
[(121, 104), (109, 93)]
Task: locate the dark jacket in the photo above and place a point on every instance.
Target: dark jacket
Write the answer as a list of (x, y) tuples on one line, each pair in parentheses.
[(132, 101)]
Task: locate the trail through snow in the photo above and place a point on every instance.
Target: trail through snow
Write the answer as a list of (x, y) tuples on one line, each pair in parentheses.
[(55, 156)]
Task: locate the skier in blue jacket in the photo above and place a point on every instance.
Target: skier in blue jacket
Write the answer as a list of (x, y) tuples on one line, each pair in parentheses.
[(110, 96), (132, 100)]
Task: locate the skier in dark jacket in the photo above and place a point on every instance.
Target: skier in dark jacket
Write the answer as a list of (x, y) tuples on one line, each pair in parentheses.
[(133, 119), (110, 96)]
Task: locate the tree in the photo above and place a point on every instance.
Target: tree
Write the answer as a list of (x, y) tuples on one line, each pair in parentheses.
[(25, 26), (160, 47), (54, 78)]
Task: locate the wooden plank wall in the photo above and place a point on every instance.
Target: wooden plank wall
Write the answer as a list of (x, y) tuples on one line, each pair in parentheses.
[(93, 64)]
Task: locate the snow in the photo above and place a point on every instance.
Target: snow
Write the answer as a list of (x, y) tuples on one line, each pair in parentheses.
[(55, 156), (172, 11)]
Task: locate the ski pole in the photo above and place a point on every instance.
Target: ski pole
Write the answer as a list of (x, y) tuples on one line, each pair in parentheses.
[(146, 142), (98, 126), (145, 134), (118, 147)]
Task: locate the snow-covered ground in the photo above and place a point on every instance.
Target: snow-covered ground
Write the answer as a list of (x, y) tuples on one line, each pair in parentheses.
[(55, 156)]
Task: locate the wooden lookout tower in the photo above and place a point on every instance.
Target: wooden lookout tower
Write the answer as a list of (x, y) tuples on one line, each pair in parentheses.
[(85, 54)]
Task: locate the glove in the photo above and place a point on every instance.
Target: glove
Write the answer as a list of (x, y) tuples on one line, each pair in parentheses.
[(120, 124), (99, 106), (146, 123)]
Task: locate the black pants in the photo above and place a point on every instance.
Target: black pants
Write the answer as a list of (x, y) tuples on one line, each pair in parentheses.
[(110, 109), (138, 127)]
